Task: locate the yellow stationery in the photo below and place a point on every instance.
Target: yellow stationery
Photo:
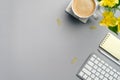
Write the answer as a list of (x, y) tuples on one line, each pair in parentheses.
[(111, 44)]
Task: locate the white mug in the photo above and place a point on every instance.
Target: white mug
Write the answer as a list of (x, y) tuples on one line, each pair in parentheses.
[(92, 14)]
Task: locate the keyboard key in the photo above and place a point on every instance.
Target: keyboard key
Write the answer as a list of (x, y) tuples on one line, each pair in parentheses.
[(100, 64), (106, 75), (110, 77), (110, 67), (101, 76), (81, 73), (96, 62), (98, 59), (118, 78), (114, 79), (85, 76), (97, 73), (94, 56), (92, 59), (99, 69), (95, 67), (107, 70), (88, 67), (103, 72), (86, 71), (89, 78), (92, 76), (118, 73), (111, 72), (105, 79), (114, 70), (115, 75), (96, 78), (93, 71), (103, 67), (90, 63), (106, 64)]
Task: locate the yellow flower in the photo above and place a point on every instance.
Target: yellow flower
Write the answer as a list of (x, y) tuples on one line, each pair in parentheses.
[(118, 24), (107, 13), (109, 20), (109, 3)]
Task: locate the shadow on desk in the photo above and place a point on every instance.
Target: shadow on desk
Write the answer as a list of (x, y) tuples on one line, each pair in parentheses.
[(75, 21)]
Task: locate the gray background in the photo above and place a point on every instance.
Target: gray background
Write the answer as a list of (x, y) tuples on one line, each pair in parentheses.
[(34, 47)]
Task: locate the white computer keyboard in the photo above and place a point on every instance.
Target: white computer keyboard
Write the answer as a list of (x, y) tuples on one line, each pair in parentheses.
[(97, 69)]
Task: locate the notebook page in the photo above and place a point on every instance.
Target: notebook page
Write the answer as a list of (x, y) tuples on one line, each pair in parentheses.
[(111, 44)]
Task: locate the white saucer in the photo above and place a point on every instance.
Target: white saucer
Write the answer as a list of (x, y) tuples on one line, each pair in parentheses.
[(69, 11)]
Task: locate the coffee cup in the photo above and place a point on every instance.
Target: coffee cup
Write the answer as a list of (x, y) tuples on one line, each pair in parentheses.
[(84, 8)]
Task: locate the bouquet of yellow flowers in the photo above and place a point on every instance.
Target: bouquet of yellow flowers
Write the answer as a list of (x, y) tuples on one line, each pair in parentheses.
[(109, 19)]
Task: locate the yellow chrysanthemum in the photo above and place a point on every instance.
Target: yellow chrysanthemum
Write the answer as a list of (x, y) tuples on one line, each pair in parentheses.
[(109, 3), (119, 24), (108, 19), (107, 13)]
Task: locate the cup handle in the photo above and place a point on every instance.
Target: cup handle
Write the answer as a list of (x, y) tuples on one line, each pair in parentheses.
[(95, 16)]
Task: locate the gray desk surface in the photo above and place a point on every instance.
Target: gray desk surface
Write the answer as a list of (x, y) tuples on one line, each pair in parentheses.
[(34, 47)]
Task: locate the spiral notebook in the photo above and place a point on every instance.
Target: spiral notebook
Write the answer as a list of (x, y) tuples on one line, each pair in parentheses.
[(111, 44)]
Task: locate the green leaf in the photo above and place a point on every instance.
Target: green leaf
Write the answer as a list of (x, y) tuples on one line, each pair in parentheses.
[(99, 0), (114, 29)]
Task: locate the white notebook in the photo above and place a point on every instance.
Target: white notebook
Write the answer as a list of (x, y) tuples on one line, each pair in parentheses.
[(111, 44)]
